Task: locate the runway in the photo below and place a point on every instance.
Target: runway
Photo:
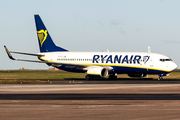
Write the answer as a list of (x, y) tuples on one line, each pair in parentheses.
[(118, 81), (90, 101), (104, 81), (90, 96)]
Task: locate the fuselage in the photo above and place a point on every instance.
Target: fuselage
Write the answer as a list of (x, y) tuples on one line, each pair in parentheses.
[(121, 62)]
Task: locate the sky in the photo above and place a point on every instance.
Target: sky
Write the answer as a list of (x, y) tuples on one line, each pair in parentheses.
[(90, 25)]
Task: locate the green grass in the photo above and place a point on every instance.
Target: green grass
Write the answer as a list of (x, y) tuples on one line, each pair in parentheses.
[(42, 76), (24, 82)]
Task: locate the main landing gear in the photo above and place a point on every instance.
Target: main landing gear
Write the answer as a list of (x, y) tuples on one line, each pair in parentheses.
[(113, 76), (87, 77)]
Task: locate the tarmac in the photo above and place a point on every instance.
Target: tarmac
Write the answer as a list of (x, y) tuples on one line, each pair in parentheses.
[(131, 100)]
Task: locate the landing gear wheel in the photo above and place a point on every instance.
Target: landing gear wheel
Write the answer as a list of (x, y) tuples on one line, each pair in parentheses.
[(112, 77), (88, 77), (160, 78)]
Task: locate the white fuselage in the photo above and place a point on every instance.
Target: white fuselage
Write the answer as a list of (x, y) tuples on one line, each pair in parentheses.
[(117, 60)]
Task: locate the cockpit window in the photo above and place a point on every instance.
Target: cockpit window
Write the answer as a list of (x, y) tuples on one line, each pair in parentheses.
[(163, 60)]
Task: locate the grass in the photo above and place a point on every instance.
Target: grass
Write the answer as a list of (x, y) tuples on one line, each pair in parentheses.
[(24, 82), (40, 75), (43, 76)]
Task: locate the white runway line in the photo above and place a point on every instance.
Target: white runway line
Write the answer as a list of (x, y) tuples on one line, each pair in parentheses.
[(98, 107), (13, 88)]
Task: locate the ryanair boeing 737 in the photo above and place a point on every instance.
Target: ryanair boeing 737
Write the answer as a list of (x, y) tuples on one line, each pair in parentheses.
[(97, 64)]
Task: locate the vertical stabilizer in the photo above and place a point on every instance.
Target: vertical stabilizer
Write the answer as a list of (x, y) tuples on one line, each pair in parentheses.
[(46, 44)]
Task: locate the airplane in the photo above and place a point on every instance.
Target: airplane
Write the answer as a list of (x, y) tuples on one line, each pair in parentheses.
[(97, 64)]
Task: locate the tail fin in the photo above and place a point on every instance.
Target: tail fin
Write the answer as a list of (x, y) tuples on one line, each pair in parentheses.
[(46, 44)]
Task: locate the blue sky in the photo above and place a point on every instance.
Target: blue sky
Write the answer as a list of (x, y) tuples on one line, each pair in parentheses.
[(90, 25)]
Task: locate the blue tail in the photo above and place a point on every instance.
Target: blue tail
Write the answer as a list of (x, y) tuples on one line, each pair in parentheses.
[(46, 44)]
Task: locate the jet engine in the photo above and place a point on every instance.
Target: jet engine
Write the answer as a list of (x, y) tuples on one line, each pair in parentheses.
[(97, 72)]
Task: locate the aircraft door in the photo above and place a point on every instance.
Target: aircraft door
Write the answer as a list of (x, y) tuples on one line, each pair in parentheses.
[(166, 64), (52, 57)]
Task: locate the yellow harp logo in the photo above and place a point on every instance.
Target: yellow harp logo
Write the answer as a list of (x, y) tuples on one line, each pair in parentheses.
[(42, 35)]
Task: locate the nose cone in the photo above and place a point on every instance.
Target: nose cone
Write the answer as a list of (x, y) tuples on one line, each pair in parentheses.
[(172, 66)]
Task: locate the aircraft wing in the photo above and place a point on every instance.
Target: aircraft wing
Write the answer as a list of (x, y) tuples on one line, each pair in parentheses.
[(12, 58), (43, 61), (38, 55)]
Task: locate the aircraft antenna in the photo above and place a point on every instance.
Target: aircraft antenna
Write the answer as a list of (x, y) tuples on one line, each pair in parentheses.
[(149, 49)]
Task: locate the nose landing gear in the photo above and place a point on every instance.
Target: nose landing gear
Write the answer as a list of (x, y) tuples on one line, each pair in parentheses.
[(161, 76)]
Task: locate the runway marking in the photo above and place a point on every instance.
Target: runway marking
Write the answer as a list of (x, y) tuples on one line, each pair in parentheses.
[(91, 105), (103, 107), (12, 88)]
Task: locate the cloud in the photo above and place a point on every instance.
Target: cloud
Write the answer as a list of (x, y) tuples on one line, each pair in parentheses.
[(137, 29), (115, 22), (100, 23), (123, 32), (162, 1), (171, 41), (118, 25)]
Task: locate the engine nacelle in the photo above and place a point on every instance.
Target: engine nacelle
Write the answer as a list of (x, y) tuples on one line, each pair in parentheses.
[(137, 75), (97, 72)]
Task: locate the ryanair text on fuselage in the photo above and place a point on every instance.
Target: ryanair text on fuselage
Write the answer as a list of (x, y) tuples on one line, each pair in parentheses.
[(128, 59)]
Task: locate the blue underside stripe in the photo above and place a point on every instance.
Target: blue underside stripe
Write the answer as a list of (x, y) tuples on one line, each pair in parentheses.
[(117, 68)]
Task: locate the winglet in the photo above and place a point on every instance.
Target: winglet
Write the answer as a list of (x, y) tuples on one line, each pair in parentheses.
[(9, 54)]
